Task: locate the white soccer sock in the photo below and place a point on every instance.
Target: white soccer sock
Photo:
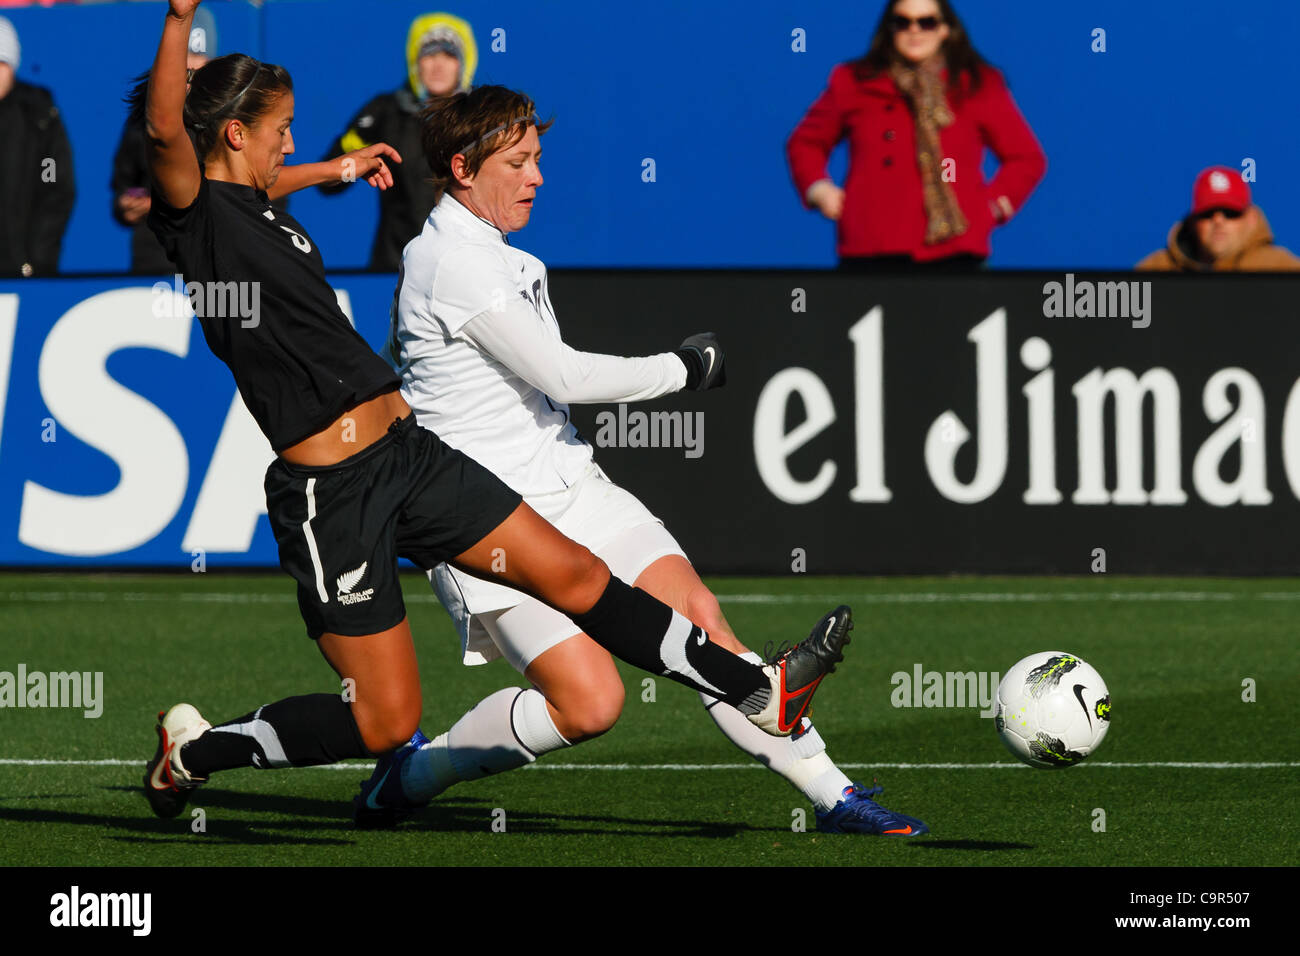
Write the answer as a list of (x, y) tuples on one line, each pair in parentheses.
[(802, 761), (503, 731)]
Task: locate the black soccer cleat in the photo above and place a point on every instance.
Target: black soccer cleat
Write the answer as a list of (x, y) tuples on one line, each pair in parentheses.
[(796, 674)]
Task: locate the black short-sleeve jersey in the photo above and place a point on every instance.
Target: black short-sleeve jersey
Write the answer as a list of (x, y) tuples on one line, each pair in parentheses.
[(257, 283)]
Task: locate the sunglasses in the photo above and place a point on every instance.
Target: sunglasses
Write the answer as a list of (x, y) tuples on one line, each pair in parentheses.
[(902, 24), (1227, 213)]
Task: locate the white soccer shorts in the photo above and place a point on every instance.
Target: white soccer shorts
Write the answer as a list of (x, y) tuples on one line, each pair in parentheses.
[(497, 621)]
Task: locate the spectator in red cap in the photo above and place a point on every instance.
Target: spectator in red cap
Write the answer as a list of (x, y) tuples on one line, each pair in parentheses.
[(1223, 232), (918, 110)]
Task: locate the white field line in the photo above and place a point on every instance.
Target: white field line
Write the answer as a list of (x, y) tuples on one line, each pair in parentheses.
[(899, 597), (1177, 765), (919, 597)]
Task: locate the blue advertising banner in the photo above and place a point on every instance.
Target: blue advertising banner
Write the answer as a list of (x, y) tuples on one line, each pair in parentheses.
[(123, 440), (1027, 423)]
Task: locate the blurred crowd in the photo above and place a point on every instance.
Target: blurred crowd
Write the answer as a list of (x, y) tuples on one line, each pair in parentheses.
[(918, 111)]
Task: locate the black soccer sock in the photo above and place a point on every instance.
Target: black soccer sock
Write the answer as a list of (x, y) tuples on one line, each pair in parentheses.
[(296, 732), (648, 634)]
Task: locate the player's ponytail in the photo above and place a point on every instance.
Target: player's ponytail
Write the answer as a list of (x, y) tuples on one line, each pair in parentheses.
[(231, 87), (136, 98)]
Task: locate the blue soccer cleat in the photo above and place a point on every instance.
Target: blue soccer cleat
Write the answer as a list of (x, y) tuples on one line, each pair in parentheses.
[(858, 813), (381, 802)]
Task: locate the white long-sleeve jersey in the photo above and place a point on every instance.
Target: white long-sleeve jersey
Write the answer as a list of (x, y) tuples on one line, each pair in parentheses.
[(483, 365)]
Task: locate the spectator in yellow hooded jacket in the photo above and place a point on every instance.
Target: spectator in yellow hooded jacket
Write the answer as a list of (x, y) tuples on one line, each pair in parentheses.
[(441, 57)]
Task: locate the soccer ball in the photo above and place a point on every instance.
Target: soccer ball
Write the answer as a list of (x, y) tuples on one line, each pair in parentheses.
[(1053, 710)]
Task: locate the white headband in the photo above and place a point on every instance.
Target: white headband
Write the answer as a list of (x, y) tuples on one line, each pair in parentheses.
[(533, 119)]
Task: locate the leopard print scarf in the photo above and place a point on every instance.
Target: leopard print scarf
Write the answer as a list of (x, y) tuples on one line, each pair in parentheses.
[(922, 87)]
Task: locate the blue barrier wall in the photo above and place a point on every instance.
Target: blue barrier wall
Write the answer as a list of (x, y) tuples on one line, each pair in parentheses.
[(710, 91)]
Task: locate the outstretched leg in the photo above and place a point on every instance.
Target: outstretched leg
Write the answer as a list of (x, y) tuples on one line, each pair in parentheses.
[(800, 758), (527, 552), (579, 695)]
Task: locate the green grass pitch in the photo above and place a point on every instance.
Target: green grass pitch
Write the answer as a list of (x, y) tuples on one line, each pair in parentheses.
[(664, 787)]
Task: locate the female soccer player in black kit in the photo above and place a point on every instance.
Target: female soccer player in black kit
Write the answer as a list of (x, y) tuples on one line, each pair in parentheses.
[(356, 483)]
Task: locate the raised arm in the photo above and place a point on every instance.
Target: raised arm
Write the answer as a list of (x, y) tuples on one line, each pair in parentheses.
[(172, 163), (368, 164)]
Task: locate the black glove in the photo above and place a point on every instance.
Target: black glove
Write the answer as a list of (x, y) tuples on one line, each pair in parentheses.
[(706, 365)]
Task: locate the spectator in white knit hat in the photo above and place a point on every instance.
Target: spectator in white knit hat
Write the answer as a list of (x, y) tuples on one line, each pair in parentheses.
[(37, 185)]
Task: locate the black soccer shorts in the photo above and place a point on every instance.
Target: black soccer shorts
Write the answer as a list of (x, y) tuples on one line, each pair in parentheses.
[(341, 528)]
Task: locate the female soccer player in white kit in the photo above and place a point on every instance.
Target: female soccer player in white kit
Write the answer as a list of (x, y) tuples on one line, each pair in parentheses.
[(482, 361)]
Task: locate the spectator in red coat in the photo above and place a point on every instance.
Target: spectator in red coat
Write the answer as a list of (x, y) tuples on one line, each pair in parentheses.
[(918, 110)]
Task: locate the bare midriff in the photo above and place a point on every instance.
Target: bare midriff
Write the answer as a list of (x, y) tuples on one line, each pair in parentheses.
[(357, 428)]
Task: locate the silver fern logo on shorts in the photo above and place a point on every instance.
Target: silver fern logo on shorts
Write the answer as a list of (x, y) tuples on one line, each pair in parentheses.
[(349, 580)]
